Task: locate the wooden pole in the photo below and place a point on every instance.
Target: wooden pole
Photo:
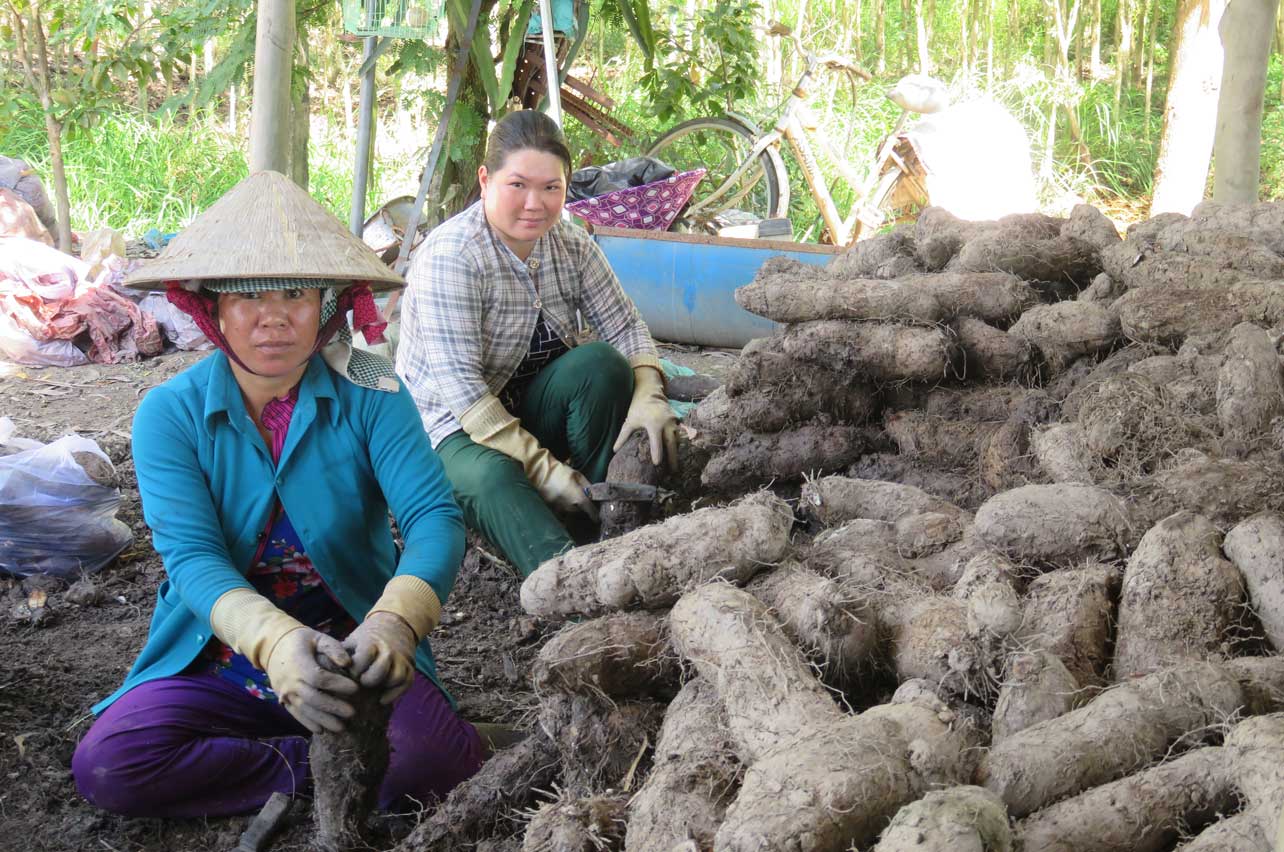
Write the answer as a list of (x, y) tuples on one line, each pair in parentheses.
[(270, 112)]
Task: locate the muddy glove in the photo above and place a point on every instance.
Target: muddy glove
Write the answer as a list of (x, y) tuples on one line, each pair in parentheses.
[(488, 423), (383, 646), (287, 650), (650, 410)]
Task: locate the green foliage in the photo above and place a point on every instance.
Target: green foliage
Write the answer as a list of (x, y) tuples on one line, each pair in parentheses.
[(709, 62), (483, 62), (140, 171), (416, 57), (466, 129), (136, 172), (226, 73), (1272, 183)]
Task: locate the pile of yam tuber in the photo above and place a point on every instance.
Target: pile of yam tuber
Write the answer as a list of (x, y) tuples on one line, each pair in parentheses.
[(991, 557)]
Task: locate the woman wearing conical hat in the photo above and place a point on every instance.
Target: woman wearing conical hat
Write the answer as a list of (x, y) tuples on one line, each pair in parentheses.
[(266, 473), (522, 417)]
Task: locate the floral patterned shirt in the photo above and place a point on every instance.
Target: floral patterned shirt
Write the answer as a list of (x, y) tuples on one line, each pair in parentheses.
[(283, 574)]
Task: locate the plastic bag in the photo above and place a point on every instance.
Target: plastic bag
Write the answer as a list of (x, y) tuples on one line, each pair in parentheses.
[(592, 181), (178, 327), (55, 519), (19, 347)]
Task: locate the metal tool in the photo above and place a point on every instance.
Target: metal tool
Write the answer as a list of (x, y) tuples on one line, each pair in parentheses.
[(626, 492), (255, 837)]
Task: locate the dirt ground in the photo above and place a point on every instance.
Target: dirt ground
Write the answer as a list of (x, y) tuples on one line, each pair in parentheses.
[(60, 659)]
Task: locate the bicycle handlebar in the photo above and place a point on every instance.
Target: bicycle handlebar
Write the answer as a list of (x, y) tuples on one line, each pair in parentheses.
[(832, 61)]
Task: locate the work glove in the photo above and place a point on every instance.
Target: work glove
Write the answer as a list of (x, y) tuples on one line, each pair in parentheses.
[(566, 489), (488, 423), (305, 670), (276, 643), (383, 646), (383, 654), (650, 410)]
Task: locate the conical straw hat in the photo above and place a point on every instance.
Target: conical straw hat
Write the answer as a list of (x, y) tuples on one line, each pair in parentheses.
[(266, 226)]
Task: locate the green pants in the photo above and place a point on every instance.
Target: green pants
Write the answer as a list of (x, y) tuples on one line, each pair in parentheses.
[(575, 408)]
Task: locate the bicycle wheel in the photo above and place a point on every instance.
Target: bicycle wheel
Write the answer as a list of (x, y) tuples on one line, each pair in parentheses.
[(721, 145)]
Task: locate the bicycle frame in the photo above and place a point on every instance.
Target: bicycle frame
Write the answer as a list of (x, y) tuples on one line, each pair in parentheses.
[(844, 231)]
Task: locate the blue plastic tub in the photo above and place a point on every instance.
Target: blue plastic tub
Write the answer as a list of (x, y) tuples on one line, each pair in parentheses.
[(685, 284)]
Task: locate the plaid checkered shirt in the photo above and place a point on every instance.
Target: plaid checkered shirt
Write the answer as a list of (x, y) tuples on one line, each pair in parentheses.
[(470, 310)]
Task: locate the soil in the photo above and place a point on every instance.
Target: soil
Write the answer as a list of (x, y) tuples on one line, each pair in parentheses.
[(59, 659)]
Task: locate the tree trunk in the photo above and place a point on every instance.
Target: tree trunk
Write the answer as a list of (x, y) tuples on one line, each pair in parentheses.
[(1123, 47), (1190, 113), (231, 110), (922, 29), (349, 128), (1237, 150), (855, 40), (800, 30), (1147, 10), (988, 22), (981, 10), (455, 185), (37, 73), (1150, 73), (1094, 39), (270, 110), (300, 120), (965, 37), (208, 51), (1014, 27), (909, 41), (771, 54), (880, 36), (1064, 29)]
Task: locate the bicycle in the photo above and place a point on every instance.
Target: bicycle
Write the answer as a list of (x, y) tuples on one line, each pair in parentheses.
[(755, 178)]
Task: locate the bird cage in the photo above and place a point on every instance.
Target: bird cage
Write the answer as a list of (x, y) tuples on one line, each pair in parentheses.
[(395, 18)]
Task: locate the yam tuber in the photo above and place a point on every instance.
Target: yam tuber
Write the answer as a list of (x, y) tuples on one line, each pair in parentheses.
[(1181, 599), (650, 567)]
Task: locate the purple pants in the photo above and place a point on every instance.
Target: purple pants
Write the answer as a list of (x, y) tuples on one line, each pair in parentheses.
[(198, 745)]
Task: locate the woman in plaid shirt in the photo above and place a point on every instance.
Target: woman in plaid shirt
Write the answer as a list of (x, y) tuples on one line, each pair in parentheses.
[(522, 417)]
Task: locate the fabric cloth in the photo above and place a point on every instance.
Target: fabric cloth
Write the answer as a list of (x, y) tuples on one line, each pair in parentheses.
[(471, 306), (208, 483), (546, 347), (649, 207), (49, 296), (354, 297), (334, 340), (574, 408), (196, 745)]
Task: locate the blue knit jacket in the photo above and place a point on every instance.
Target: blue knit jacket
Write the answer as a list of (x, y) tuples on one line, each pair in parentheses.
[(208, 482)]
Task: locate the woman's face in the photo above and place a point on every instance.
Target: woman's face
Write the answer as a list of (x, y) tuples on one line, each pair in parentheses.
[(524, 197), (272, 332)]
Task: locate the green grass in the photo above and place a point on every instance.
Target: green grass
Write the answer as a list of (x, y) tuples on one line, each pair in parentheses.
[(136, 172)]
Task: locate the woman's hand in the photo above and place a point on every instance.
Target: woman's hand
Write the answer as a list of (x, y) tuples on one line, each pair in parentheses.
[(309, 690), (383, 654), (650, 411), (566, 489)]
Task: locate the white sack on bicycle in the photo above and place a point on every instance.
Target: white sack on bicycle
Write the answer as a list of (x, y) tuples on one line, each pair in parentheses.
[(977, 158)]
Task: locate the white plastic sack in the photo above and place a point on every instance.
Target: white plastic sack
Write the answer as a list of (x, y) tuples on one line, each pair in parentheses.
[(977, 158), (19, 347), (178, 327), (54, 519)]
